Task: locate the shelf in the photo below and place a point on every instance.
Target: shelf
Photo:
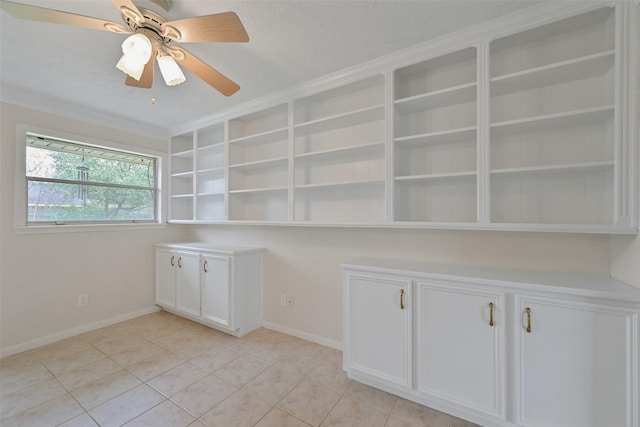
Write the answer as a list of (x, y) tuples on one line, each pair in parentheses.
[(188, 174), (339, 184), (210, 194), (183, 154), (258, 190), (262, 138), (555, 120), (260, 164), (441, 98), (549, 75), (352, 118), (441, 137), (181, 196), (435, 176), (216, 146), (362, 148), (567, 167), (211, 171)]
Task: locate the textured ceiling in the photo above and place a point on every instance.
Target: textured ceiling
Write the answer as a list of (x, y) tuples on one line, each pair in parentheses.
[(290, 42)]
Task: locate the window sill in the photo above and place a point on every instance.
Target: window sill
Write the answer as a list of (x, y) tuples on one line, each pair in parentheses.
[(81, 228)]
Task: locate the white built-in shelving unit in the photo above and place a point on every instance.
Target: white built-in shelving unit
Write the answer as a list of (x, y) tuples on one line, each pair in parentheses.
[(527, 125), (258, 165), (339, 154), (553, 109), (435, 148)]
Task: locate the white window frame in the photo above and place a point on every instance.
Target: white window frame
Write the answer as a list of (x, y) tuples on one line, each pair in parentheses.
[(20, 190)]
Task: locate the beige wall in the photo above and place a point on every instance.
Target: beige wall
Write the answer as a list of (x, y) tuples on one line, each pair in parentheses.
[(41, 275), (304, 261)]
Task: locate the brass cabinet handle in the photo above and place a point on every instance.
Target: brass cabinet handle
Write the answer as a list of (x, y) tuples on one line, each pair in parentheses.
[(401, 299), (528, 311), (204, 266), (172, 258), (490, 314), (180, 262)]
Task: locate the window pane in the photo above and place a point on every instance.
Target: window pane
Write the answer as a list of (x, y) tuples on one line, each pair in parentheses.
[(45, 163), (49, 201)]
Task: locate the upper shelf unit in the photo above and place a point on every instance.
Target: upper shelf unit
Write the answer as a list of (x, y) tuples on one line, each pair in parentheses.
[(339, 154), (527, 130), (435, 139), (258, 165), (553, 105), (182, 177)]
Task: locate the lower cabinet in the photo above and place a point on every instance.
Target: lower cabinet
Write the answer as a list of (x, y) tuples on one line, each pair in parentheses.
[(460, 339), (216, 289), (379, 330), (493, 347), (574, 362), (217, 286), (188, 282)]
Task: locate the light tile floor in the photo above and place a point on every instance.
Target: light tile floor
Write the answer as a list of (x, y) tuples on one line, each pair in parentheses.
[(162, 370)]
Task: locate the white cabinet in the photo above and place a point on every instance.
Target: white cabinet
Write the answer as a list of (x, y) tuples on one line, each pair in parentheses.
[(166, 278), (496, 347), (460, 345), (188, 282), (378, 327), (574, 363), (216, 289), (218, 286)]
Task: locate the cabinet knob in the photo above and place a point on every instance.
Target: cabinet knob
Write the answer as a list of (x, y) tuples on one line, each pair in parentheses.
[(180, 262), (528, 311), (204, 266), (401, 299), (172, 258), (491, 314)]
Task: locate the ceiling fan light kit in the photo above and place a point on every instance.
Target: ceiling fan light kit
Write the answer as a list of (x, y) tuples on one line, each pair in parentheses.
[(151, 35), (170, 70), (136, 51)]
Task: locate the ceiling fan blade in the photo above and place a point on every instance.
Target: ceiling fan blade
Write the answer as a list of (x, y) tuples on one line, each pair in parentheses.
[(213, 77), (146, 80), (129, 10), (34, 13), (219, 27)]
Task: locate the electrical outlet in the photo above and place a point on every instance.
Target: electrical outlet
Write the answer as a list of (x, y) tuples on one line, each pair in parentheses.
[(83, 300), (289, 300)]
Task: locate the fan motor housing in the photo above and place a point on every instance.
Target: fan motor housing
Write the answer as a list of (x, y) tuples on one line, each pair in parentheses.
[(153, 22)]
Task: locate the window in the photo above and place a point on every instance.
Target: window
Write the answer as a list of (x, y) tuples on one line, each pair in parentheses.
[(71, 182)]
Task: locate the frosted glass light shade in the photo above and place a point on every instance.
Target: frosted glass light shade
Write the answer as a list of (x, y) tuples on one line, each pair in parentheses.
[(131, 67), (170, 70), (138, 48)]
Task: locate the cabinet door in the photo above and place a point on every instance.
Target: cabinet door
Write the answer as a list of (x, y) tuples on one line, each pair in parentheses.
[(574, 364), (166, 278), (188, 282), (460, 335), (216, 287), (378, 327)]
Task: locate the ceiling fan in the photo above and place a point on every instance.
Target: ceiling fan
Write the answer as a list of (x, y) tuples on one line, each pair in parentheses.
[(151, 38)]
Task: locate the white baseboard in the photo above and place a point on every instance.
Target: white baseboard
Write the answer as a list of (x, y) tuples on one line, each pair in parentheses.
[(337, 345), (18, 348)]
